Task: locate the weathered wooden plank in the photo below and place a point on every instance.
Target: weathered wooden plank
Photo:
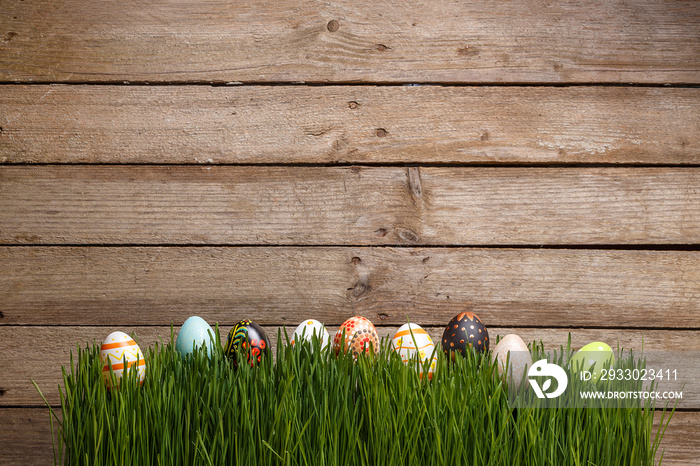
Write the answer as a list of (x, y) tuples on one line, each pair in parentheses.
[(521, 287), (284, 124), (680, 444), (348, 205), (459, 42), (24, 359), (25, 438)]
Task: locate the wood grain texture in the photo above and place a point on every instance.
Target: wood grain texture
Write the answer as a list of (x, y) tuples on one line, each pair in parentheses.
[(348, 205), (680, 445), (285, 124), (280, 285), (26, 360), (25, 438), (372, 41)]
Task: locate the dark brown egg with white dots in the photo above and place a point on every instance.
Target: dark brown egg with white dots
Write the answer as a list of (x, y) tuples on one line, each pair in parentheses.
[(464, 331)]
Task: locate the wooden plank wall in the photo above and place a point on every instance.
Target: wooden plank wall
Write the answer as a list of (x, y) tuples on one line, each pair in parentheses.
[(538, 162)]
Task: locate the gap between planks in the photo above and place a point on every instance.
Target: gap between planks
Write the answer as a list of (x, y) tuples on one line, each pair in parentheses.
[(330, 84), (573, 247)]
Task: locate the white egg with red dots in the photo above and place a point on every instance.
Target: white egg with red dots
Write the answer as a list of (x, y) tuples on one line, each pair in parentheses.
[(306, 331)]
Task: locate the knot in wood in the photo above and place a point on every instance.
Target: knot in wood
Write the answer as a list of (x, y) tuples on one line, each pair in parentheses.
[(359, 289), (407, 235), (333, 25), (414, 182)]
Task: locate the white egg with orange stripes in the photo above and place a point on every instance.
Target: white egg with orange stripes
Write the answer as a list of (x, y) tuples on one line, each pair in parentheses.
[(117, 347), (412, 342)]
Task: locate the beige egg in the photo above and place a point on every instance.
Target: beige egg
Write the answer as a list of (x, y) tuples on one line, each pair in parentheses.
[(520, 358)]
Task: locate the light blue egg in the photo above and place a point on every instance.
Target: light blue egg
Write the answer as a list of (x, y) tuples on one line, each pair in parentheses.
[(193, 334)]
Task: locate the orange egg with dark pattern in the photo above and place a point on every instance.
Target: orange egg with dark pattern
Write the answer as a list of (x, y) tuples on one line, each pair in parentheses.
[(248, 338), (464, 331), (357, 335)]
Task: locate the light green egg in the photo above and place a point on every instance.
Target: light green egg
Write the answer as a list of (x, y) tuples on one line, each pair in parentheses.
[(593, 358)]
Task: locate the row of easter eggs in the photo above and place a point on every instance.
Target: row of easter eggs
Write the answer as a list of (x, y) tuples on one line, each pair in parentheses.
[(356, 335)]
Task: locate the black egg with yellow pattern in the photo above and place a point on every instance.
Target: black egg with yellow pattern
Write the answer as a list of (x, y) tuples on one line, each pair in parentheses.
[(250, 338)]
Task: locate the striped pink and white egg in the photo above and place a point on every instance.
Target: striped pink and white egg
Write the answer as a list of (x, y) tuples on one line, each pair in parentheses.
[(116, 347), (411, 341)]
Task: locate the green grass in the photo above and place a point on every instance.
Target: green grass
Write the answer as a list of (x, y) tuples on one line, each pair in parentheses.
[(309, 407)]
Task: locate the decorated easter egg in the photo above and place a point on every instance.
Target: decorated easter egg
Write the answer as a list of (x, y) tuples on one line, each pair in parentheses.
[(412, 342), (593, 358), (194, 334), (464, 331), (307, 329), (520, 358), (247, 337), (356, 335), (118, 347)]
